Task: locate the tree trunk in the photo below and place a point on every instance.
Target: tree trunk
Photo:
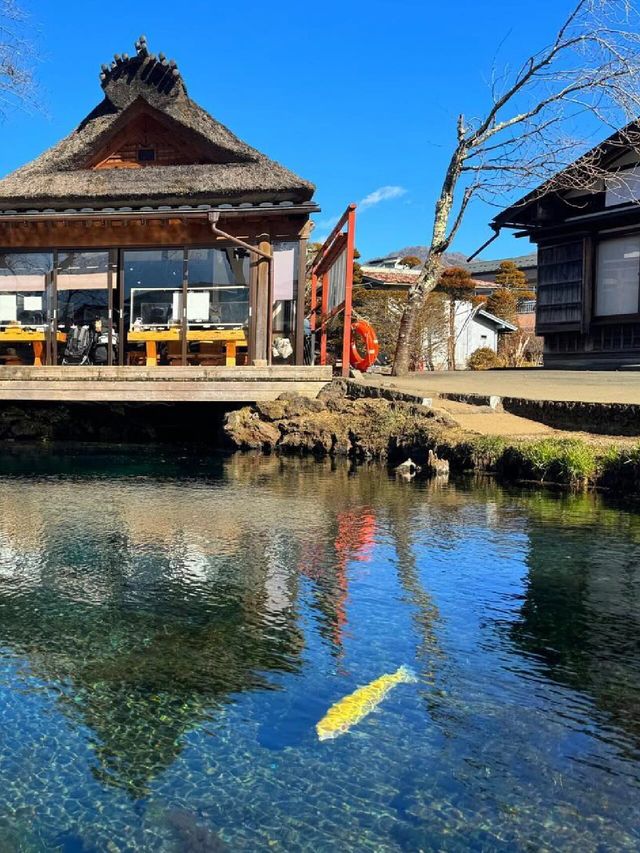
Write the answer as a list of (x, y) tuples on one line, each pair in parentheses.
[(415, 300), (440, 240)]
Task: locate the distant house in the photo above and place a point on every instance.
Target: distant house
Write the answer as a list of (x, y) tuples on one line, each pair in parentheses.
[(588, 242), (488, 270), (485, 272), (380, 277), (390, 263), (474, 327)]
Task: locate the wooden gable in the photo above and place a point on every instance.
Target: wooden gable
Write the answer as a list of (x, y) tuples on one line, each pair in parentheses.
[(145, 141)]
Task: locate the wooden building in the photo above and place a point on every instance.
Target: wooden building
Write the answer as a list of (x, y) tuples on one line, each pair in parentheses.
[(586, 225), (157, 231)]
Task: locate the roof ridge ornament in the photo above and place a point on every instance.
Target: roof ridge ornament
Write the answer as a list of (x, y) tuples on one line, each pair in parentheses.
[(144, 73)]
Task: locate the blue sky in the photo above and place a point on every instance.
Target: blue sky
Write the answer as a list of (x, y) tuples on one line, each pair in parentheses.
[(359, 97)]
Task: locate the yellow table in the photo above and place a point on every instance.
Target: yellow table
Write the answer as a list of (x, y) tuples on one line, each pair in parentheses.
[(35, 337), (232, 339)]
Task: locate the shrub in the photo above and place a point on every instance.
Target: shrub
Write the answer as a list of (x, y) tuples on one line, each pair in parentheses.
[(503, 303), (411, 261), (484, 358)]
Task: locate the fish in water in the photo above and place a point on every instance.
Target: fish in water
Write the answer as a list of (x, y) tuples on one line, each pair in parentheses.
[(355, 707)]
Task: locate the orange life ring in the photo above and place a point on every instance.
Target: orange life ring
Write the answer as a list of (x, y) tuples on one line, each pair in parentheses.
[(362, 329)]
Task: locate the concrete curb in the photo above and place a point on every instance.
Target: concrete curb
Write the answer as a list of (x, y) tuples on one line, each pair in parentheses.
[(492, 400), (360, 389), (599, 418)]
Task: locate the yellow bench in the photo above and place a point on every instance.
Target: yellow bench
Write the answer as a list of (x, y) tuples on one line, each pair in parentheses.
[(232, 339), (35, 337)]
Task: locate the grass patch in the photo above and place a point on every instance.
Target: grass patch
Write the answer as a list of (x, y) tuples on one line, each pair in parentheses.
[(570, 462)]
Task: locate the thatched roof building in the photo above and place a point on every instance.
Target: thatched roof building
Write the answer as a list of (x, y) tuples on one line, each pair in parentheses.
[(148, 143), (152, 229)]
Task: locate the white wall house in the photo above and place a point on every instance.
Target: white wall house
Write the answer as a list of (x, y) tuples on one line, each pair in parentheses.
[(475, 328)]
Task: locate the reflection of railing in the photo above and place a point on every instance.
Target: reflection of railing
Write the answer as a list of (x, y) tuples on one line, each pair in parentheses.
[(207, 307)]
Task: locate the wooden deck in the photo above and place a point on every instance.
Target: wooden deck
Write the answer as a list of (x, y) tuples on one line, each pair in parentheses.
[(159, 384)]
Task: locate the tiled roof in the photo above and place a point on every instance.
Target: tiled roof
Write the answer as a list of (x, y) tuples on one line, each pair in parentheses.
[(390, 276), (522, 262), (404, 276)]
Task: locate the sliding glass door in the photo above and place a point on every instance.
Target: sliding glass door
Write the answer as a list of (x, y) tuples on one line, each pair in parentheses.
[(151, 305), (84, 328), (25, 307)]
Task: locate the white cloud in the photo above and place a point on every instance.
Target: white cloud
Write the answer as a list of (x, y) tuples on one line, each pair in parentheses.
[(381, 194)]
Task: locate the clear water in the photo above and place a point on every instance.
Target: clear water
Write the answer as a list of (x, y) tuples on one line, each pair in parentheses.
[(171, 630)]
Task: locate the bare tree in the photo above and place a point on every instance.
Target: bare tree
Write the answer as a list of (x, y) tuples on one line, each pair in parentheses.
[(16, 57), (528, 135)]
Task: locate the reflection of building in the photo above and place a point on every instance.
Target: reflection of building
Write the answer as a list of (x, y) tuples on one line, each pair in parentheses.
[(157, 225), (581, 612), (148, 610)]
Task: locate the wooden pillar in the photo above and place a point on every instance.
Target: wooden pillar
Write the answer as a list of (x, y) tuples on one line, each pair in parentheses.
[(262, 309), (299, 327)]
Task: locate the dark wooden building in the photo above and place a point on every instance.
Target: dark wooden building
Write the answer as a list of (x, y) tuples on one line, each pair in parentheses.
[(156, 229), (586, 225)]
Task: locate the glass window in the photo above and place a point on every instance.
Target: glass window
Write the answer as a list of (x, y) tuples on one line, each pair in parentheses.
[(618, 276), (82, 284), (623, 187), (218, 287), (152, 288), (285, 294), (24, 279)]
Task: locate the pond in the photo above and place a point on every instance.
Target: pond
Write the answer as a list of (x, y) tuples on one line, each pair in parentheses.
[(173, 628)]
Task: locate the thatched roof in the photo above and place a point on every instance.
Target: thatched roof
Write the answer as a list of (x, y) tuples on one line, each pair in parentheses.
[(225, 169)]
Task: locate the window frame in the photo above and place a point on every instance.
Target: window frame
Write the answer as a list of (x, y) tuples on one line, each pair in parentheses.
[(600, 319)]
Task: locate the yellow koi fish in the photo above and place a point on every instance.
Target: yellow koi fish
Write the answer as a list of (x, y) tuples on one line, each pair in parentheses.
[(355, 707)]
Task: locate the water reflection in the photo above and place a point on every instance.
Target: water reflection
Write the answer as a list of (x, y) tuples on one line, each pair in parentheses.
[(580, 614), (173, 627), (146, 614)]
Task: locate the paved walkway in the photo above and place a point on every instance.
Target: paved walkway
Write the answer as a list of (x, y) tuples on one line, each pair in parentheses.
[(484, 421), (588, 386)]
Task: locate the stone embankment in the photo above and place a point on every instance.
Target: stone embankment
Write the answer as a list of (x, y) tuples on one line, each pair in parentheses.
[(394, 430), (337, 425)]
